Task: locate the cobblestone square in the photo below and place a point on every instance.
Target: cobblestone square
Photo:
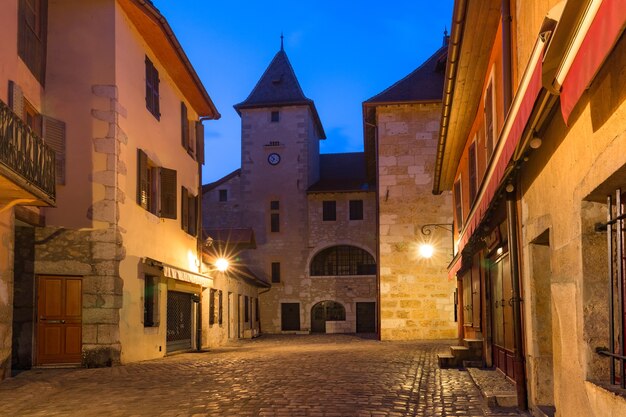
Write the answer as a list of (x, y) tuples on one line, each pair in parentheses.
[(325, 375)]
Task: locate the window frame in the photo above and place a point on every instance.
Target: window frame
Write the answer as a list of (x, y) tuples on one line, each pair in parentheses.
[(157, 191), (222, 195), (355, 210), (342, 260), (275, 116), (152, 89), (275, 272), (32, 37), (329, 210)]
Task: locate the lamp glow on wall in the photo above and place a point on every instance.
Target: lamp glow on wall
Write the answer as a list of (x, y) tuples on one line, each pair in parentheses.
[(428, 249), (222, 264)]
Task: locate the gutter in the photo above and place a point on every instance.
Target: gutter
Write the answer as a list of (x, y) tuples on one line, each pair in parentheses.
[(182, 55), (454, 49)]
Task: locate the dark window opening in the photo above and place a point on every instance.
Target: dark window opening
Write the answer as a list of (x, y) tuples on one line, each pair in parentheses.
[(329, 211), (246, 308), (275, 223), (256, 310), (356, 209), (489, 122), (274, 205), (212, 307), (275, 271), (32, 34), (343, 260), (275, 117), (473, 179), (223, 195), (220, 318), (458, 205), (156, 187), (151, 301)]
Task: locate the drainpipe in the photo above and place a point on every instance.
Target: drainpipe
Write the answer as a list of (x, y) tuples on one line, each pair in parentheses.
[(507, 74), (520, 374)]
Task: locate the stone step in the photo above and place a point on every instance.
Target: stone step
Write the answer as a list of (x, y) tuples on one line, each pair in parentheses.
[(446, 360)]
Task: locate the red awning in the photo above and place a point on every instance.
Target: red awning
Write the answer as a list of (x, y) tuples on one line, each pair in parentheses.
[(514, 126), (603, 32)]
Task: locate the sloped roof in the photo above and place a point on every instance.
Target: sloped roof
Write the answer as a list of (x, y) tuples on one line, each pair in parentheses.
[(423, 84), (279, 87), (242, 238), (212, 185), (341, 172)]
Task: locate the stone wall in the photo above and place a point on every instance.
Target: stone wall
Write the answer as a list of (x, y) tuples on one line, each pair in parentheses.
[(223, 214), (416, 296), (6, 288)]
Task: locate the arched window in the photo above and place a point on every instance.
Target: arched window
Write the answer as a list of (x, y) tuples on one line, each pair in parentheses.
[(343, 260)]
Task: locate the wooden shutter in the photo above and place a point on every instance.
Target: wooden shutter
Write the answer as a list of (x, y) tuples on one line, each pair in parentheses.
[(149, 82), (489, 120), (142, 179), (155, 90), (192, 139), (473, 179), (54, 136), (184, 125), (458, 204), (200, 142), (168, 193), (193, 215), (184, 209), (16, 99)]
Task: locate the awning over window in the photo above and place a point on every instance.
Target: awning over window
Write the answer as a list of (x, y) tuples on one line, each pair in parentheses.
[(174, 272), (605, 29), (514, 126)]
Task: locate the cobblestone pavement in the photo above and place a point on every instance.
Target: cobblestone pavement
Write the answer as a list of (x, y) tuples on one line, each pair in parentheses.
[(325, 375)]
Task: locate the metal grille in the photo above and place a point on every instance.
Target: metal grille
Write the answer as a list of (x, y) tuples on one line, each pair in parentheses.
[(179, 323), (343, 260), (617, 286)]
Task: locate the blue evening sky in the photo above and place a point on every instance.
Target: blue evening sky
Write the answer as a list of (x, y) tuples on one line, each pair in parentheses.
[(343, 52)]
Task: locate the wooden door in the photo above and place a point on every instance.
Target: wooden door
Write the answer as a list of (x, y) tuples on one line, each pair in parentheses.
[(366, 317), (502, 314), (59, 320), (290, 316)]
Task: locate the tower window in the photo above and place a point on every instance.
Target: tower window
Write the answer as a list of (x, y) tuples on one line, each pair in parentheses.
[(329, 211), (275, 116), (356, 209), (275, 271), (223, 195)]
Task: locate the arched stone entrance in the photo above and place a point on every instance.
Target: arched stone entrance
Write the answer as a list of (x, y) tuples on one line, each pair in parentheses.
[(326, 311)]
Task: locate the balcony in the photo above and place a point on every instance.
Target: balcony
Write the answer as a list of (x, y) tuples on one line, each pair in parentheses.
[(27, 164)]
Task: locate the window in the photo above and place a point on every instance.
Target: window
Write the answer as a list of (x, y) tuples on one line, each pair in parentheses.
[(256, 310), (343, 260), (32, 32), (356, 209), (223, 195), (246, 308), (212, 307), (188, 132), (156, 187), (329, 211), (151, 301), (458, 204), (152, 89), (275, 116), (473, 176), (219, 308), (275, 271), (490, 117), (274, 217), (189, 212)]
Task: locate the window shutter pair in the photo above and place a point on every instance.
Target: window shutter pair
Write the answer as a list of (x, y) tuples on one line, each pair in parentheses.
[(192, 135), (167, 187), (53, 130)]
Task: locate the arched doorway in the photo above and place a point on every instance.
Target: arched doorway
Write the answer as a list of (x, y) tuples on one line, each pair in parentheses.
[(326, 311)]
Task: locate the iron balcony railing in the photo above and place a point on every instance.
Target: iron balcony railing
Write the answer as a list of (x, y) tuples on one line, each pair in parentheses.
[(27, 160)]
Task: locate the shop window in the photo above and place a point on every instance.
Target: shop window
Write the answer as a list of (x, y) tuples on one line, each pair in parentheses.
[(151, 301)]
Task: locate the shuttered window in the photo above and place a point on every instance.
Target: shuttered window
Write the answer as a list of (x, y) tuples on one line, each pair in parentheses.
[(458, 204), (189, 212), (490, 125), (152, 89), (184, 126), (200, 142), (212, 295), (54, 137), (156, 187), (473, 176), (220, 307), (32, 32)]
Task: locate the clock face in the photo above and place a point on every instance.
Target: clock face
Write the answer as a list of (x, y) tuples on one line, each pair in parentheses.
[(273, 158)]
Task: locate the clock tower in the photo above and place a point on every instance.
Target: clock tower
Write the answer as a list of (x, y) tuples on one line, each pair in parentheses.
[(280, 134)]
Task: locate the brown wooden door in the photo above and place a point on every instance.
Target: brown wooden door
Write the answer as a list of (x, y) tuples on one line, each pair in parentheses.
[(59, 320)]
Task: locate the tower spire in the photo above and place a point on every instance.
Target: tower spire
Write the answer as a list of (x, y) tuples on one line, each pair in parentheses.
[(446, 38), (282, 46)]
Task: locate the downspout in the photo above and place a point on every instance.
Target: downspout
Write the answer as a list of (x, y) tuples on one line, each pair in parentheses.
[(518, 361), (506, 55)]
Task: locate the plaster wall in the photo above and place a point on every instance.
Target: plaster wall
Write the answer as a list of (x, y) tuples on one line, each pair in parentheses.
[(416, 296), (555, 186)]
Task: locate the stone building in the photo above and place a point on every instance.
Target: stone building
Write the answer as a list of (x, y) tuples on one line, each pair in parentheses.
[(401, 125), (114, 273), (312, 216), (532, 145)]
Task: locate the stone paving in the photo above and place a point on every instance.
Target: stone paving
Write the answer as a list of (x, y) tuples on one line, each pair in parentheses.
[(323, 375)]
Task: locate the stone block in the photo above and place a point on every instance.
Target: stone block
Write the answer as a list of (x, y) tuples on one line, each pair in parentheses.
[(104, 115), (396, 128), (90, 333), (104, 210), (108, 333), (63, 267), (105, 145), (100, 90), (101, 316), (108, 251), (104, 178)]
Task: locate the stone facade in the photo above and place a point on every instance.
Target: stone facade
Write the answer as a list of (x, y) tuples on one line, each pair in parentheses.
[(6, 288), (416, 296)]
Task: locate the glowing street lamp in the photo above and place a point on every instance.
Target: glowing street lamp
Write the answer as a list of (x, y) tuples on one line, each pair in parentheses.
[(426, 250), (222, 264)]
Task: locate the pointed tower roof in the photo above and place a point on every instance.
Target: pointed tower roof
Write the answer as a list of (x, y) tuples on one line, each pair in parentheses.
[(279, 87)]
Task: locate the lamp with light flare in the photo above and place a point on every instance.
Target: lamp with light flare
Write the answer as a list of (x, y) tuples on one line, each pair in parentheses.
[(222, 264), (426, 250)]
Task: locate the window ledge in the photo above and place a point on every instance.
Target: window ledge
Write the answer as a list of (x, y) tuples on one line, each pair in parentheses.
[(603, 392)]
